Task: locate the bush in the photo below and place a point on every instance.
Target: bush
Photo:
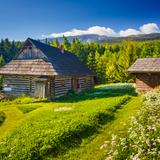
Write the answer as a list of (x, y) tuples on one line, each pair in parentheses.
[(24, 100), (143, 136), (2, 117), (21, 100), (70, 92)]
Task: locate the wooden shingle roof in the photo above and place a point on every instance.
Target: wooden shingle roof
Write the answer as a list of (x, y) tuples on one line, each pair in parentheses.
[(28, 67), (57, 63), (145, 65)]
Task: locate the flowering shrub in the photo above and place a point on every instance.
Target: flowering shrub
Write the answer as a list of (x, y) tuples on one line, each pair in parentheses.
[(143, 137)]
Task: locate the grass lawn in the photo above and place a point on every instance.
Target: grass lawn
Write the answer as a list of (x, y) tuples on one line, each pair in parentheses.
[(13, 116), (73, 127), (93, 148)]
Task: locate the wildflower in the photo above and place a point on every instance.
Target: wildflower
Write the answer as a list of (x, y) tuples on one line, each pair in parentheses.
[(142, 140)]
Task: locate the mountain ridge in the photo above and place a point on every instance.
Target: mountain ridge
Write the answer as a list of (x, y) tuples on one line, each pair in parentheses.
[(102, 39)]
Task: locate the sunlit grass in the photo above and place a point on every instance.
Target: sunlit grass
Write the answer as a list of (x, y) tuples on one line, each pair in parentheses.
[(94, 148), (51, 128)]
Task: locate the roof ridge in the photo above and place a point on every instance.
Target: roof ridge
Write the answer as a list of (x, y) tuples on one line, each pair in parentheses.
[(38, 41)]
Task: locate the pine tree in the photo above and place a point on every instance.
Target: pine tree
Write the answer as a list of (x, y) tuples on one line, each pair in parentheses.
[(127, 56), (79, 49), (97, 57), (101, 69), (156, 51), (91, 62), (76, 47), (66, 43), (1, 60), (55, 43), (112, 73)]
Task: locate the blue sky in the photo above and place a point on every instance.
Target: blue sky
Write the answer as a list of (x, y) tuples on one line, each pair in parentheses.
[(33, 18)]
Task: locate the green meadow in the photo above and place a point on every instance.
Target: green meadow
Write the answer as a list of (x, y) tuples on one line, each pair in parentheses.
[(72, 127)]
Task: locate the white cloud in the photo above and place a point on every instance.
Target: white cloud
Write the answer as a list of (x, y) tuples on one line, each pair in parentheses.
[(103, 31), (92, 30), (149, 28), (144, 29), (128, 32)]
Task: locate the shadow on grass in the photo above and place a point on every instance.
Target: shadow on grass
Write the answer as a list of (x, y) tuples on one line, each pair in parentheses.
[(74, 139), (98, 93)]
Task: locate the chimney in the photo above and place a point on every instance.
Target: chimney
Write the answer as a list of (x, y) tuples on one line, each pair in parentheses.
[(62, 48)]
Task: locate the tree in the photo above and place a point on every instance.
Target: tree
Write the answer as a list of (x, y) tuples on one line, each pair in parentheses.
[(101, 68), (55, 43), (112, 70), (108, 61), (9, 49), (127, 56), (1, 60), (66, 43), (91, 62)]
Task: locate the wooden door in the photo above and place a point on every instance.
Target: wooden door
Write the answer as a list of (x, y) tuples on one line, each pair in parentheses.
[(75, 84), (40, 89)]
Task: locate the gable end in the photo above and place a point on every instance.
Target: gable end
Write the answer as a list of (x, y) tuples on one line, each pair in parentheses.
[(30, 51)]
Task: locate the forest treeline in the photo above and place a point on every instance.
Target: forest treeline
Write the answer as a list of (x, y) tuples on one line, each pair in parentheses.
[(108, 61)]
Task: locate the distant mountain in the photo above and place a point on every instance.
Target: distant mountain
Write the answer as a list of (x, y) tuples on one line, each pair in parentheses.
[(101, 39), (83, 38), (140, 37)]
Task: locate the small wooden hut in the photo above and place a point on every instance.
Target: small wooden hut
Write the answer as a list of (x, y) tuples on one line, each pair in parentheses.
[(44, 71), (147, 71)]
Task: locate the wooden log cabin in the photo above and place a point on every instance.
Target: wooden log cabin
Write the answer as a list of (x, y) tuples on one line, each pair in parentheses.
[(44, 71), (147, 71)]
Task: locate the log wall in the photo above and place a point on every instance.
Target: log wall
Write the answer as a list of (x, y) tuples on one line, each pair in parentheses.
[(62, 85), (146, 82), (18, 85), (55, 86), (52, 88), (85, 83)]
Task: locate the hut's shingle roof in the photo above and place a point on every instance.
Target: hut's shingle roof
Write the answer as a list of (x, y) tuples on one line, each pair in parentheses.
[(145, 65), (28, 67), (57, 63)]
